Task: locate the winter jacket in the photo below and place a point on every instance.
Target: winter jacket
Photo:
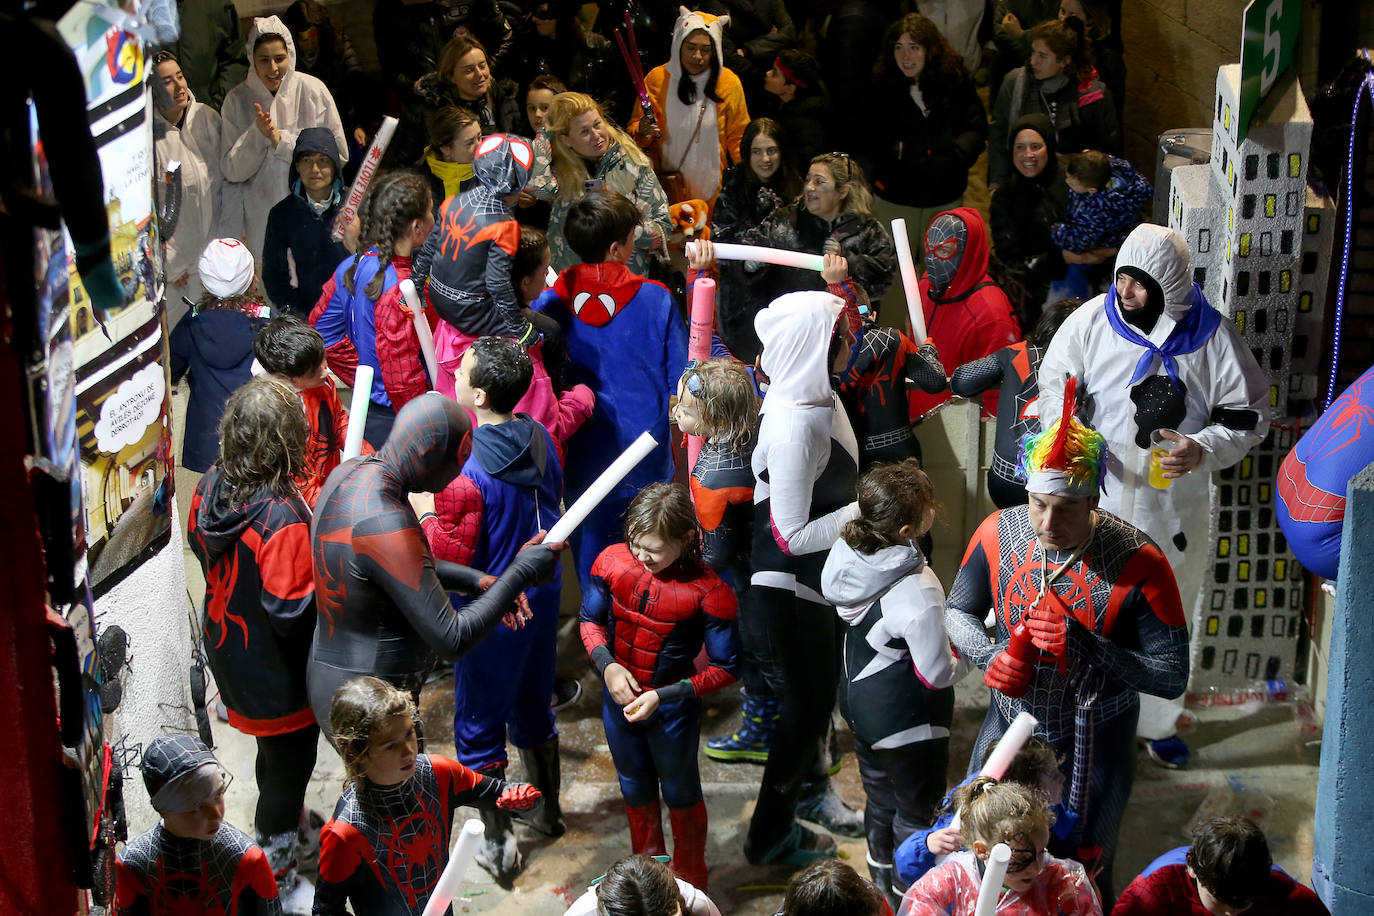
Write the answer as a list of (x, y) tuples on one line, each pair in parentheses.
[(922, 159), (299, 256), (464, 265), (628, 344), (195, 143), (1061, 889), (898, 666), (1104, 219), (809, 123), (972, 318), (501, 112), (215, 347), (619, 173), (743, 204), (805, 462), (1024, 209), (747, 286), (259, 613), (411, 36), (258, 173), (381, 334), (1219, 374), (702, 161), (210, 49), (1082, 114)]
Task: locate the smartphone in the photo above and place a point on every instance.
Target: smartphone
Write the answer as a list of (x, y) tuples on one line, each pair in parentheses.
[(594, 184)]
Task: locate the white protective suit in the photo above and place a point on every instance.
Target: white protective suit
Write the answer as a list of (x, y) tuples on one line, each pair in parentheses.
[(255, 171), (196, 145), (1220, 374)]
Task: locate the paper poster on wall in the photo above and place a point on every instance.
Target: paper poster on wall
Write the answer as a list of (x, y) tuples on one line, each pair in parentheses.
[(122, 403)]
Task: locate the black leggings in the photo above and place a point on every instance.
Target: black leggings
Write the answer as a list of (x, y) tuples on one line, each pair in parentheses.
[(804, 640), (904, 786), (283, 769)]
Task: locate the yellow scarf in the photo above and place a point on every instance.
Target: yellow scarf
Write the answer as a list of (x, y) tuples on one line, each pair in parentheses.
[(452, 174)]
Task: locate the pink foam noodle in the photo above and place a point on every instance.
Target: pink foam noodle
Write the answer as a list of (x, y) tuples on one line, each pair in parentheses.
[(1008, 746), (371, 161), (699, 329)]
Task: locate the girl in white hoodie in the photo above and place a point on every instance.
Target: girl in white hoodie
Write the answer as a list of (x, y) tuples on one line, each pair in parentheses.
[(898, 665), (262, 116)]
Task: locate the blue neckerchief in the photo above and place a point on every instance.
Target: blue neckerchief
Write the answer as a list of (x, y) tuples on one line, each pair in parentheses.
[(1191, 332)]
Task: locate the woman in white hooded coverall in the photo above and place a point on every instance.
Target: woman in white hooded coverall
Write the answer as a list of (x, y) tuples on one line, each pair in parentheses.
[(1152, 353), (187, 132), (262, 117)]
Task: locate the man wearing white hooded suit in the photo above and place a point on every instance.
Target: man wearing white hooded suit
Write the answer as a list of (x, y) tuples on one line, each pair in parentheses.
[(262, 116), (1152, 353)]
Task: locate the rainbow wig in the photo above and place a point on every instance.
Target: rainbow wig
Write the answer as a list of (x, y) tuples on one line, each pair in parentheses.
[(1069, 458)]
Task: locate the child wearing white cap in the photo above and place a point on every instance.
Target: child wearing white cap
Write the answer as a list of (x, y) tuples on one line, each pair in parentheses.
[(213, 345)]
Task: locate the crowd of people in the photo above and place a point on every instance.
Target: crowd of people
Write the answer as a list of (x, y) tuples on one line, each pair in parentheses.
[(514, 287)]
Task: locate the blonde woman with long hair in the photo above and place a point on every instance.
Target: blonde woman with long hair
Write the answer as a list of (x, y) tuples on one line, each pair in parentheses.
[(581, 148)]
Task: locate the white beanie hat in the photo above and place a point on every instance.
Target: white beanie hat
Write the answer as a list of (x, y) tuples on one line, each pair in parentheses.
[(226, 268)]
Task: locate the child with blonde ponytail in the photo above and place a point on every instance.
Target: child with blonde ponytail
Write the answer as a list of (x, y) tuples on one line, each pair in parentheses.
[(898, 665), (360, 312), (1036, 883)]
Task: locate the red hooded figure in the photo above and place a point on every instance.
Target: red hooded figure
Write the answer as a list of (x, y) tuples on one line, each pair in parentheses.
[(967, 314)]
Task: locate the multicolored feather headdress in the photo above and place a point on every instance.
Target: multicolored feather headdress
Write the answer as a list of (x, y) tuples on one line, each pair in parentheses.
[(1069, 458)]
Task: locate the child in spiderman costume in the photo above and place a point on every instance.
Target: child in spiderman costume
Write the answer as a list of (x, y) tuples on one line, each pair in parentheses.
[(651, 606), (292, 350), (250, 529), (508, 491), (1012, 370), (383, 603), (628, 343), (388, 841), (192, 861), (361, 314)]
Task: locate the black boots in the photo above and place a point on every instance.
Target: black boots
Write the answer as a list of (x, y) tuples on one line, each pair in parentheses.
[(543, 772)]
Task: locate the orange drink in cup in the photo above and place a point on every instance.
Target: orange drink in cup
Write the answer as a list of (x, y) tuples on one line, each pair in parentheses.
[(1160, 448)]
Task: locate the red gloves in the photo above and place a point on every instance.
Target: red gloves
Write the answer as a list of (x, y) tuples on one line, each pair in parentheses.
[(519, 796), (1009, 675), (1049, 630)]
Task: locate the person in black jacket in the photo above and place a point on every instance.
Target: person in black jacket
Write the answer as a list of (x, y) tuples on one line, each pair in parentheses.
[(250, 529), (298, 256), (1034, 198), (799, 102), (929, 125), (552, 41), (411, 36)]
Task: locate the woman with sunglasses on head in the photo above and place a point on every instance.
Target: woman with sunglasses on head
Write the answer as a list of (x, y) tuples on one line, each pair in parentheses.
[(834, 214)]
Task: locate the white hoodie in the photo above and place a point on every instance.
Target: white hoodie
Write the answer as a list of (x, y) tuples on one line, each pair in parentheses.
[(257, 172), (1221, 373), (196, 145), (800, 419)]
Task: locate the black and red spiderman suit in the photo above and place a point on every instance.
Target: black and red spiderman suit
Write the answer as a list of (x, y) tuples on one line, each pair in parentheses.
[(383, 606), (162, 874), (386, 846)]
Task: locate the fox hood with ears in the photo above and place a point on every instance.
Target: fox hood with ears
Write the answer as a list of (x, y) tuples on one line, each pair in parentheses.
[(689, 21)]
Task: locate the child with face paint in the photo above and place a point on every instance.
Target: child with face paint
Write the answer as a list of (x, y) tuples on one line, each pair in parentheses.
[(967, 315), (192, 850)]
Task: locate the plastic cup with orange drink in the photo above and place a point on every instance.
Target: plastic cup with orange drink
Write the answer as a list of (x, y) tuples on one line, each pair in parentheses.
[(1161, 447)]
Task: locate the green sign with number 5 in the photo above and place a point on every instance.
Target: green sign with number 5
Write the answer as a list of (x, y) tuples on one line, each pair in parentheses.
[(1266, 51)]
